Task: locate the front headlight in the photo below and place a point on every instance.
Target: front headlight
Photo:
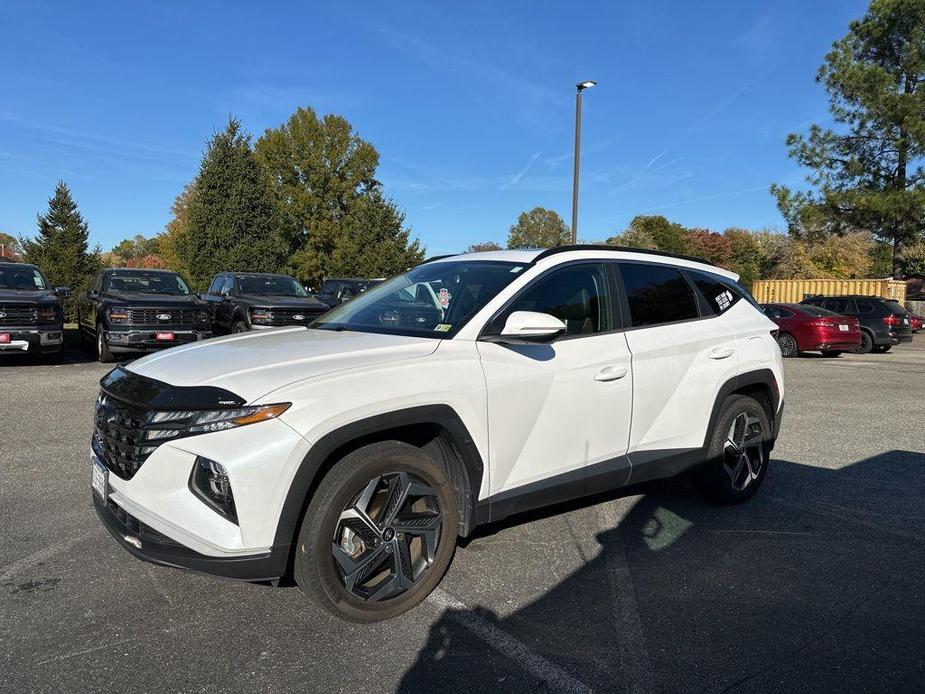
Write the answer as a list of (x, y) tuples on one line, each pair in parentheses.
[(118, 315), (261, 315), (172, 424)]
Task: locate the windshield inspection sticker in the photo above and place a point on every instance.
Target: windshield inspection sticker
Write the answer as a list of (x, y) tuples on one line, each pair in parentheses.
[(442, 328)]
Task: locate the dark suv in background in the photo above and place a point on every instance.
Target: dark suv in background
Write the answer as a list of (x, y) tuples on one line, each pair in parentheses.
[(128, 310), (884, 322), (242, 301), (31, 318), (336, 291)]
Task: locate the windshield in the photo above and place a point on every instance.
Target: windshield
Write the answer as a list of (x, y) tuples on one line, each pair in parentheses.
[(24, 279), (270, 285), (141, 282), (432, 300)]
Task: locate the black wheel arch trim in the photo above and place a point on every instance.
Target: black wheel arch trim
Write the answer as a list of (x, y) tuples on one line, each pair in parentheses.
[(758, 377), (444, 417)]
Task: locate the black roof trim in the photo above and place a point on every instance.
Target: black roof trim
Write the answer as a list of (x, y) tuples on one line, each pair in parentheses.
[(623, 249), (438, 257)]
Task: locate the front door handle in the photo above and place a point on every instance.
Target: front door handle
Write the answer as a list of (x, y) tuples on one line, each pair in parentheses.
[(611, 373), (721, 353)]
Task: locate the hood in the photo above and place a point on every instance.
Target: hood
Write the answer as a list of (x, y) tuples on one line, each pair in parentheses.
[(155, 300), (254, 363), (307, 302), (28, 297)]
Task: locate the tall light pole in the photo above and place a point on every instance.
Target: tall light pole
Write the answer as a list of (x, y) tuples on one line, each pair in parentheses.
[(581, 86)]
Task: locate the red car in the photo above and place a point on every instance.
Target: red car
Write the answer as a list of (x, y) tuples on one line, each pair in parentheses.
[(806, 328)]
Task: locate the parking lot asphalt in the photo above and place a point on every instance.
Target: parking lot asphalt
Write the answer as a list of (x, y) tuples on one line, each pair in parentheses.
[(816, 584)]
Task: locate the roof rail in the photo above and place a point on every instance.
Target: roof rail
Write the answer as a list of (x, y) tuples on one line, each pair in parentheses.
[(625, 249), (437, 257)]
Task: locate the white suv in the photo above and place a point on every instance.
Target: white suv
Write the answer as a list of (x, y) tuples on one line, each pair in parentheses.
[(354, 452)]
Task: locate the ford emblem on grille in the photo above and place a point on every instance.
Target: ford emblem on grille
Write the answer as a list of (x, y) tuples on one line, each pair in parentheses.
[(163, 316), (2, 315), (298, 316)]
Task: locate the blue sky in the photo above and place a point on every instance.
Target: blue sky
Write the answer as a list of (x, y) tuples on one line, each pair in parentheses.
[(471, 105)]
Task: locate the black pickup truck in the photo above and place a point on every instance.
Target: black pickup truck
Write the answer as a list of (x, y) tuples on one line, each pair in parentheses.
[(130, 310), (337, 290), (242, 301), (31, 319)]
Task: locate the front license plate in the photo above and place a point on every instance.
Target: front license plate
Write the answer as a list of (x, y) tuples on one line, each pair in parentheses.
[(100, 479), (164, 337), (5, 339), (843, 327)]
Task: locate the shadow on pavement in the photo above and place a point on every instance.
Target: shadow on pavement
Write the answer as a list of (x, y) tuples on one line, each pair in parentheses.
[(815, 584)]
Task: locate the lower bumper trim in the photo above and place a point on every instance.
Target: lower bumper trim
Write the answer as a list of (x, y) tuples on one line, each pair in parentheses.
[(147, 544)]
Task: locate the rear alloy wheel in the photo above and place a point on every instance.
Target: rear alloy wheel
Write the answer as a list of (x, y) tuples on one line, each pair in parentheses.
[(239, 326), (788, 345), (737, 456), (867, 342), (379, 533)]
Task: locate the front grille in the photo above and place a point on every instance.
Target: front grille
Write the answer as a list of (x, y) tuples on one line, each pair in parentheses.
[(135, 527), (18, 315), (164, 316), (287, 316), (117, 436)]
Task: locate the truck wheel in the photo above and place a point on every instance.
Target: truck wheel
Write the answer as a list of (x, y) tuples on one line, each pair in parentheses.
[(867, 342), (378, 535), (102, 348), (737, 457), (239, 326)]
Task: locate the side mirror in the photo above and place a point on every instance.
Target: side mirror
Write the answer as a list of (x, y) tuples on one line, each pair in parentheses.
[(529, 326), (63, 292)]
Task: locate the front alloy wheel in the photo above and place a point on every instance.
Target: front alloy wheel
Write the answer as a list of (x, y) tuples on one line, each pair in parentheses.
[(378, 534), (387, 536)]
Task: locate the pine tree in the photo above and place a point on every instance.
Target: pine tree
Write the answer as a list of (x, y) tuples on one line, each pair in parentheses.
[(232, 222), (61, 248)]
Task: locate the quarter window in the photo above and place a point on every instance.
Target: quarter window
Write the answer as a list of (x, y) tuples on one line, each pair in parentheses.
[(657, 294), (577, 295), (719, 296)]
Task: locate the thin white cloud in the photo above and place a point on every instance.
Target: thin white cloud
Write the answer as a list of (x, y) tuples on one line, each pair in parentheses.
[(706, 198), (520, 174)]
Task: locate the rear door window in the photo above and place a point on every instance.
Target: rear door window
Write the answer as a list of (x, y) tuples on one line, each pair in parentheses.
[(841, 306), (657, 294)]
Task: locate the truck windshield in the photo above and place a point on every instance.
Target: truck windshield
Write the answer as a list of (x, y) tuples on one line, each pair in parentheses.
[(270, 285), (432, 300), (24, 279), (141, 282)]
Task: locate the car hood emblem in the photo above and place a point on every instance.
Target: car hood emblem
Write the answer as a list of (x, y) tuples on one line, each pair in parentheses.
[(163, 316), (298, 316), (2, 314)]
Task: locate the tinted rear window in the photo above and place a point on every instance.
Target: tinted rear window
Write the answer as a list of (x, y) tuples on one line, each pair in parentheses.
[(657, 294)]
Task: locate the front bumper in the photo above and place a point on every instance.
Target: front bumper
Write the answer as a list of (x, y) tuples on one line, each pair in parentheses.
[(32, 339), (145, 340), (147, 544)]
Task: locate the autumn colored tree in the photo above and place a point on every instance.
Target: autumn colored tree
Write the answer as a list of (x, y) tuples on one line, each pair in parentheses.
[(538, 228), (483, 246)]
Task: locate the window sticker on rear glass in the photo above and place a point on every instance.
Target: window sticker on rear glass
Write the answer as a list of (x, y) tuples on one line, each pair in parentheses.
[(724, 300), (442, 328)]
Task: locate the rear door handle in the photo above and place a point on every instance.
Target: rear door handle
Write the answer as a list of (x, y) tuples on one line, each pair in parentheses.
[(721, 353), (611, 373)]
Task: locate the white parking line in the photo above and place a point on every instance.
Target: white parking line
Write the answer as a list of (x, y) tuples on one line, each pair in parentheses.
[(48, 552), (552, 675), (634, 654)]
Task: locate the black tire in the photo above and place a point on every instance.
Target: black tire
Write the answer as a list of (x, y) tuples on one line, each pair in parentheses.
[(726, 477), (103, 355), (883, 349), (239, 326), (867, 342), (377, 466), (788, 345), (831, 352)]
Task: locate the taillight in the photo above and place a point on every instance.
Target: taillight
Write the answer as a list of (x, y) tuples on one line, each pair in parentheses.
[(892, 320)]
